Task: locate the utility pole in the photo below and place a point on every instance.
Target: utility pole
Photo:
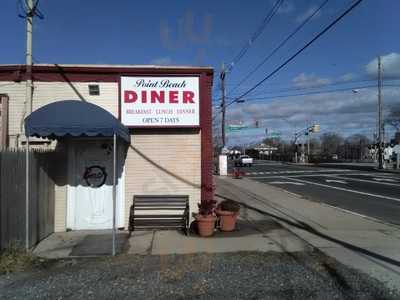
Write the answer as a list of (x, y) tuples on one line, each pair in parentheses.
[(222, 77), (308, 146), (380, 116), (29, 86), (295, 147)]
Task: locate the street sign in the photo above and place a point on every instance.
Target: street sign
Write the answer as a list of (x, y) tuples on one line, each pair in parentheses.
[(316, 128), (234, 127), (275, 134)]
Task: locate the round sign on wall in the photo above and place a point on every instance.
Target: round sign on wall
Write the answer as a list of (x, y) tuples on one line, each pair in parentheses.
[(95, 176)]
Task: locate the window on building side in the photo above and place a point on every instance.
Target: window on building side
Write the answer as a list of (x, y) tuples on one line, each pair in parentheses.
[(94, 90)]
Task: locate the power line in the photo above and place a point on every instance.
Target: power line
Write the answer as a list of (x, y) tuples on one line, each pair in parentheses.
[(298, 28), (323, 86), (27, 11), (354, 88), (290, 88), (267, 19), (327, 28), (319, 92)]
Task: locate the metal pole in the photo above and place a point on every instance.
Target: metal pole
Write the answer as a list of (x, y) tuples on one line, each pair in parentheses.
[(295, 147), (222, 76), (29, 86), (114, 192), (308, 147), (27, 194), (380, 115)]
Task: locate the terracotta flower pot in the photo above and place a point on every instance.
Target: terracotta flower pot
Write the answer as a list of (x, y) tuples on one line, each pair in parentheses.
[(206, 224), (227, 219)]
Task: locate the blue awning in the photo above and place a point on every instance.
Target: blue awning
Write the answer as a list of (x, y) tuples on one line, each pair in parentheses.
[(74, 118)]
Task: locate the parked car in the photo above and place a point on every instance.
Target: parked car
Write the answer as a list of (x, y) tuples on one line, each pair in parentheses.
[(244, 160)]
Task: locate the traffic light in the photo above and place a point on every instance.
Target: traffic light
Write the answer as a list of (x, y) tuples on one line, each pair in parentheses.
[(315, 128)]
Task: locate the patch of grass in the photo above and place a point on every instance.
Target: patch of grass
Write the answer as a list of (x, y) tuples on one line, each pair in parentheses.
[(172, 276), (200, 287), (15, 259)]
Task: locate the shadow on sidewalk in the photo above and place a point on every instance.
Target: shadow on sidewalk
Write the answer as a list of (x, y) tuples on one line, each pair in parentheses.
[(301, 225)]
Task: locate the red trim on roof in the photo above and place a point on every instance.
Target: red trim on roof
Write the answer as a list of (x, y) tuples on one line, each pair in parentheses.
[(92, 74)]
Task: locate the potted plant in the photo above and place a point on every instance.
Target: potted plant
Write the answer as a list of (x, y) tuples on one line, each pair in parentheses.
[(206, 218), (227, 211), (237, 173)]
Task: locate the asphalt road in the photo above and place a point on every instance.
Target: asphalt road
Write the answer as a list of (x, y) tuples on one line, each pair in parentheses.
[(369, 193)]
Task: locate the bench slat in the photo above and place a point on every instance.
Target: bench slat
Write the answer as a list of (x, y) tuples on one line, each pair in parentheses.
[(169, 212), (159, 216), (160, 200), (158, 221), (160, 208), (157, 227), (160, 205)]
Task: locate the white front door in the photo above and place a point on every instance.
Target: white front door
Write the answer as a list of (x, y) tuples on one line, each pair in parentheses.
[(90, 198)]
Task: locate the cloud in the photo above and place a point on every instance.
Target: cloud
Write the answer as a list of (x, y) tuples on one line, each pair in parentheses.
[(343, 112), (300, 18), (390, 66), (286, 7), (223, 41), (304, 80), (189, 29), (162, 61), (347, 77)]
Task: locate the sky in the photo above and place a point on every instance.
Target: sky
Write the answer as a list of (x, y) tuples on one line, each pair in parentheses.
[(332, 83)]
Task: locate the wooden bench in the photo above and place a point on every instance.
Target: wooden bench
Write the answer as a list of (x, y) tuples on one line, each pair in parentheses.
[(159, 212)]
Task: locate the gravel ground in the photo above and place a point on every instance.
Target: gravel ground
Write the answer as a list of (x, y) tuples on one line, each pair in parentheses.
[(247, 275)]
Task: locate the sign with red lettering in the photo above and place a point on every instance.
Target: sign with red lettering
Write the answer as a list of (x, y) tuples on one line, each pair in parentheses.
[(159, 101)]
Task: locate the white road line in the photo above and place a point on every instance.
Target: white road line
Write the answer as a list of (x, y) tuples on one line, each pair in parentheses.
[(384, 179), (337, 181), (301, 175), (361, 215), (285, 182), (263, 164), (378, 175), (346, 210), (363, 180), (293, 172), (316, 173), (344, 189)]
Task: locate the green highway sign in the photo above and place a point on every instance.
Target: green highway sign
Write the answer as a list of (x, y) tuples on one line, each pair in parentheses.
[(234, 127), (275, 134)]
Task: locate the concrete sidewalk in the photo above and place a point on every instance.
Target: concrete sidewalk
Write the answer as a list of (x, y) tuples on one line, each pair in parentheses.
[(255, 232), (362, 243)]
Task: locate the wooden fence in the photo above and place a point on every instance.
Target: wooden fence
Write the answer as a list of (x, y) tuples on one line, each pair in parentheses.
[(12, 197)]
